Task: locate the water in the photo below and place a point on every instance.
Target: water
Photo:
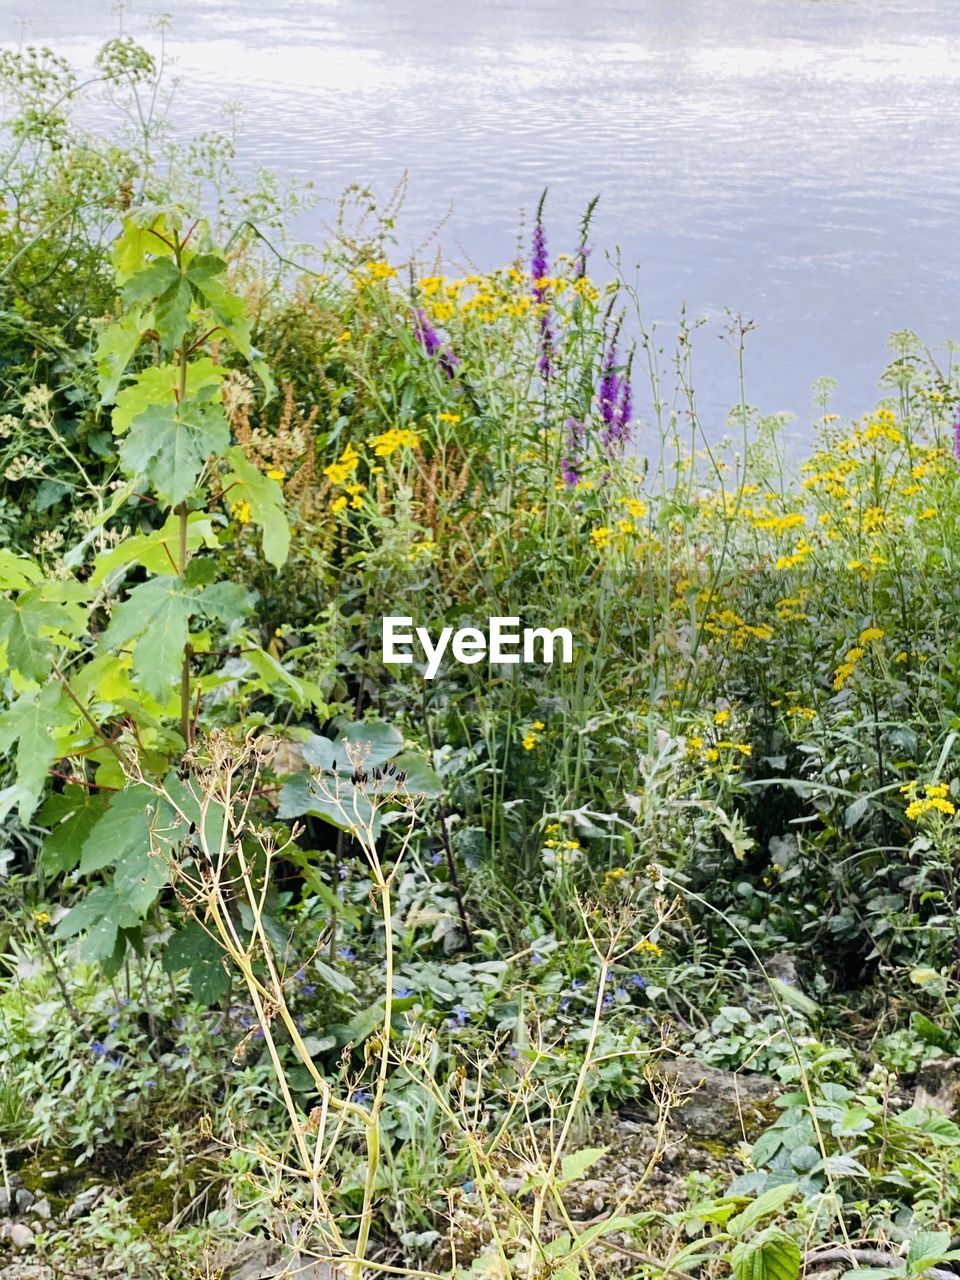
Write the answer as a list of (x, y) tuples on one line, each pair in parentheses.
[(793, 160)]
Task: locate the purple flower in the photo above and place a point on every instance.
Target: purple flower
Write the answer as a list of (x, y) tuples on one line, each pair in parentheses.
[(432, 343), (402, 992), (956, 437), (570, 466), (460, 1016), (346, 953), (362, 1095), (539, 269), (615, 398)]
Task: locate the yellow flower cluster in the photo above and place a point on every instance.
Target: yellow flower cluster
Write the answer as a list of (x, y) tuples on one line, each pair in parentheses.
[(389, 441), (933, 800), (531, 737), (736, 631)]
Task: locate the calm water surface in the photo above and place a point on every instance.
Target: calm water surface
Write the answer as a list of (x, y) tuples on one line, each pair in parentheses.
[(795, 160)]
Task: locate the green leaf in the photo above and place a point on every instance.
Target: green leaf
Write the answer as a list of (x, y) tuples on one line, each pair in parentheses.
[(192, 948), (575, 1165), (168, 445), (30, 722), (101, 902), (158, 278), (420, 778), (172, 314), (795, 998), (225, 602), (157, 552), (121, 838), (771, 1255), (160, 384), (371, 742), (264, 497), (115, 349), (761, 1208), (17, 572), (929, 1249), (205, 274), (156, 616), (146, 231), (933, 1124), (34, 622), (70, 816)]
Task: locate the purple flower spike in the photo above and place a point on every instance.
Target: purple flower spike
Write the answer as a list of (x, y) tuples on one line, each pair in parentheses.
[(571, 466), (539, 269), (956, 437), (615, 396), (431, 342)]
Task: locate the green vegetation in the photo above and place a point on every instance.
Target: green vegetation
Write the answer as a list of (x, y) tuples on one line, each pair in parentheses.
[(301, 948)]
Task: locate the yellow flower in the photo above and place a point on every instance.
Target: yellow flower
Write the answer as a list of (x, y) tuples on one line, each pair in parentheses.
[(721, 717), (345, 336), (529, 741), (600, 537), (650, 947), (276, 473), (537, 725), (337, 472), (338, 504), (389, 441), (871, 634), (381, 270), (241, 512), (635, 507), (927, 514), (452, 418), (41, 917)]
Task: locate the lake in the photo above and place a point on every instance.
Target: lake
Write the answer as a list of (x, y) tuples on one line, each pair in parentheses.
[(794, 160)]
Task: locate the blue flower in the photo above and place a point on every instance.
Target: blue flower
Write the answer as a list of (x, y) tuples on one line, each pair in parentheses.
[(346, 953), (402, 992), (638, 981), (460, 1015)]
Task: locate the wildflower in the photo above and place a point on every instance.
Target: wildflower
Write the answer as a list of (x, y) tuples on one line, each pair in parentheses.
[(649, 947), (539, 269), (338, 504), (452, 418), (345, 336), (431, 343), (276, 473), (381, 270), (956, 437), (41, 917), (240, 512), (600, 537), (571, 466), (346, 953), (396, 438), (871, 634), (337, 472), (460, 1016), (615, 398)]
